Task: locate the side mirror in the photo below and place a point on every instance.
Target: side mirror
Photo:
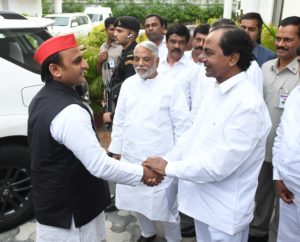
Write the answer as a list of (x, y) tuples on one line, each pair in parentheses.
[(74, 24)]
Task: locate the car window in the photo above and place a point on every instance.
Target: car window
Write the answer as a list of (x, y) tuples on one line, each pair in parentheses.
[(85, 19), (60, 21), (94, 17), (80, 20), (74, 20), (19, 45)]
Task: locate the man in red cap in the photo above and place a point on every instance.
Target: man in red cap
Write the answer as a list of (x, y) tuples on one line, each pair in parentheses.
[(68, 163)]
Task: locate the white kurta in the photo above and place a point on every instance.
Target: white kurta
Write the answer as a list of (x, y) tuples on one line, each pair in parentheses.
[(150, 116), (254, 75), (162, 49), (185, 72), (219, 158), (202, 88), (286, 149), (286, 166), (72, 127)]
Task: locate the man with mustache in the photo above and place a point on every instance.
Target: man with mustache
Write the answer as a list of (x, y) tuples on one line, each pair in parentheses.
[(150, 116), (199, 36), (218, 159), (176, 65), (281, 75)]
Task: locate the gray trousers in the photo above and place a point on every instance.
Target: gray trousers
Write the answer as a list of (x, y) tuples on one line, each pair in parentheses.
[(266, 213)]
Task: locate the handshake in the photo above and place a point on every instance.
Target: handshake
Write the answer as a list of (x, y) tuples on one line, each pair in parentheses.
[(154, 170)]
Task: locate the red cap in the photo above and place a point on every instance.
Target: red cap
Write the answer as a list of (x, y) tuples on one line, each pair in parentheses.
[(54, 45)]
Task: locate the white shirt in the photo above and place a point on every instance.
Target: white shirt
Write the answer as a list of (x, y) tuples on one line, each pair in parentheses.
[(219, 158), (185, 71), (72, 127), (202, 88), (254, 75), (150, 117), (286, 149), (189, 55), (162, 49)]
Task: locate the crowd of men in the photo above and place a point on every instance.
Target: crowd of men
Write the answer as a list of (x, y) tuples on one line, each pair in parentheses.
[(192, 142)]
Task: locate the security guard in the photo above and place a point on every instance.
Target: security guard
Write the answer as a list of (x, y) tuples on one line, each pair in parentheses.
[(126, 32)]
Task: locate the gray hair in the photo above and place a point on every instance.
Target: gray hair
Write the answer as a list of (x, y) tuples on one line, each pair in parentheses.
[(149, 45)]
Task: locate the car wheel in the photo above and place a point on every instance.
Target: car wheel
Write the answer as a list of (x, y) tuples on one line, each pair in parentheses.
[(15, 186)]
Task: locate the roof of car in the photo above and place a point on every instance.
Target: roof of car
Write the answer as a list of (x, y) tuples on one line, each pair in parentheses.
[(65, 14), (13, 20)]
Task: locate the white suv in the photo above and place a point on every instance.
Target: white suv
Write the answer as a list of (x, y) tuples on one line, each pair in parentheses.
[(20, 81), (77, 23)]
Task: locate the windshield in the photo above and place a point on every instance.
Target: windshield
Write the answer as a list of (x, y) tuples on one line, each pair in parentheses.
[(94, 17), (19, 46), (60, 21)]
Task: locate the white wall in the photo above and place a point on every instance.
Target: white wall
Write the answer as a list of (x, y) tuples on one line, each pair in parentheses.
[(266, 10), (30, 7), (291, 8), (264, 7)]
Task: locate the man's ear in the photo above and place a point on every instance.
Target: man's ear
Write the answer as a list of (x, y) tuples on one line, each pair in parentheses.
[(234, 58), (157, 62), (55, 71)]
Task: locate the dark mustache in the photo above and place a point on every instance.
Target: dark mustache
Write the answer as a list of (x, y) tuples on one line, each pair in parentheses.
[(199, 48), (282, 48), (176, 50)]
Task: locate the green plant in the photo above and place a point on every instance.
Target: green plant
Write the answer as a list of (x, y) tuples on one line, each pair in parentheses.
[(91, 46), (268, 36), (182, 12)]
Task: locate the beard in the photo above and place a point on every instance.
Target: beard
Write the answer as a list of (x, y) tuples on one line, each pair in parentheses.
[(145, 72)]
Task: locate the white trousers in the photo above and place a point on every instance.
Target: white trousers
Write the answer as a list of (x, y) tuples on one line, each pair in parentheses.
[(148, 228), (289, 222), (206, 233), (94, 231)]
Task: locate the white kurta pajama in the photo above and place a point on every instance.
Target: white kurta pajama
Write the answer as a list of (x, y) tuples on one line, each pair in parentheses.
[(219, 158), (150, 116), (286, 167)]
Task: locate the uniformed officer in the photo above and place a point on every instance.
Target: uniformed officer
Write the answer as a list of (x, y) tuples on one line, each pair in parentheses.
[(126, 31)]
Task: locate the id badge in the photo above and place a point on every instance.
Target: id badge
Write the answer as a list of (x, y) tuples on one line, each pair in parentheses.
[(282, 100), (111, 63)]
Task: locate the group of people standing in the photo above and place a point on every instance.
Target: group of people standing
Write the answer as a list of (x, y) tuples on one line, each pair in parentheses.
[(192, 132)]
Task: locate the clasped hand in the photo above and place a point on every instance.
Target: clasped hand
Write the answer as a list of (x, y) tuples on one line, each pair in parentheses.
[(154, 170)]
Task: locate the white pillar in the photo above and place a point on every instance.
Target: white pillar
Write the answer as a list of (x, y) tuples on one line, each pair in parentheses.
[(250, 6), (227, 9), (58, 6)]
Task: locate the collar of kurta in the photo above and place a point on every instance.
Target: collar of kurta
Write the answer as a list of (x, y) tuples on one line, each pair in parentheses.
[(183, 60), (232, 81)]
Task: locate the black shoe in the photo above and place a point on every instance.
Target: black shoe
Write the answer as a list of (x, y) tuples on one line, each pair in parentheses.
[(111, 207), (188, 232), (146, 239), (252, 238)]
